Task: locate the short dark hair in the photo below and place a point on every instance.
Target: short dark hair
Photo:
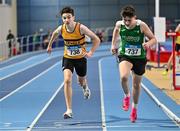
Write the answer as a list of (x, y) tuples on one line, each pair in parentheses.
[(128, 11), (67, 10)]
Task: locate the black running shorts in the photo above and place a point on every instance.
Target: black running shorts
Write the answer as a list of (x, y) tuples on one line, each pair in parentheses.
[(80, 65), (138, 64), (177, 47)]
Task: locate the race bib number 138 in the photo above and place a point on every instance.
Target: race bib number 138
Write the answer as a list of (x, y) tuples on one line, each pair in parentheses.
[(74, 50)]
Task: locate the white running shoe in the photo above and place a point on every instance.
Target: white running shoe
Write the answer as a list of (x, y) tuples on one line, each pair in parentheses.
[(86, 92), (68, 115)]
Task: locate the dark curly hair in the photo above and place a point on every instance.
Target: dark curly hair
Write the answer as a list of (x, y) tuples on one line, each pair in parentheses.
[(128, 11), (67, 10)]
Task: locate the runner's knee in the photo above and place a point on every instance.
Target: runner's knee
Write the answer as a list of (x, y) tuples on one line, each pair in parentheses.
[(124, 79), (67, 81)]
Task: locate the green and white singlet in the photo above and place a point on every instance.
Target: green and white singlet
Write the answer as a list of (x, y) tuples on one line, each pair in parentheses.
[(130, 45)]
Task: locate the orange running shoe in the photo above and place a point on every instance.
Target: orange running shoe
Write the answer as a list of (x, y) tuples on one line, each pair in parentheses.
[(126, 102), (133, 115)]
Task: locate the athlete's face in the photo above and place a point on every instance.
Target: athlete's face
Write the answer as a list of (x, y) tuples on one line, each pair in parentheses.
[(129, 21), (67, 18)]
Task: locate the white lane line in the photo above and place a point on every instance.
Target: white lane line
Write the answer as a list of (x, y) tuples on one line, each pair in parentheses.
[(98, 126), (166, 110), (54, 50), (15, 57), (33, 57), (95, 55), (22, 55), (44, 109), (37, 52), (27, 67), (42, 73), (28, 59), (21, 62), (27, 83), (102, 96), (60, 127)]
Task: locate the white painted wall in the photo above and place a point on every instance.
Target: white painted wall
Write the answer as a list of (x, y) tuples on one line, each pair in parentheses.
[(8, 20)]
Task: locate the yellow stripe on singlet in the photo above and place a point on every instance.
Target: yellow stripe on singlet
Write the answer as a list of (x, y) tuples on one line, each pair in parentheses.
[(178, 39)]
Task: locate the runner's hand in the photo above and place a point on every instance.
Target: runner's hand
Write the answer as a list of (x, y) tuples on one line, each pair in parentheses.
[(49, 50), (114, 50), (146, 46), (89, 54)]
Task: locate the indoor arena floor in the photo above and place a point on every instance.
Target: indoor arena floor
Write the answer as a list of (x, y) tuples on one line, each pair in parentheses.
[(32, 97)]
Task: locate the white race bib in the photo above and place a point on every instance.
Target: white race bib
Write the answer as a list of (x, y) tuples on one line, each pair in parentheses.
[(132, 50), (74, 50)]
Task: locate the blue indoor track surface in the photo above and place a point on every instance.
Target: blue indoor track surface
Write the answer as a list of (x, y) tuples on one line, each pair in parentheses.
[(32, 97)]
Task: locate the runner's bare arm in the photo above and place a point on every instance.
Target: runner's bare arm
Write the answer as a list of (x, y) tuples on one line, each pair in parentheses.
[(95, 40), (147, 32), (177, 28), (115, 37), (53, 37)]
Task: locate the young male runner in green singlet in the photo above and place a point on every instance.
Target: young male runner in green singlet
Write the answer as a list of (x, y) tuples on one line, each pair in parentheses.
[(132, 54)]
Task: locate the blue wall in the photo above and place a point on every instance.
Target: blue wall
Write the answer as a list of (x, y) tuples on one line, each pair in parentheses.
[(36, 14)]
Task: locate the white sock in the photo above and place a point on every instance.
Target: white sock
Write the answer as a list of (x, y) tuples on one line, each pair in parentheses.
[(127, 95), (134, 105), (69, 111)]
